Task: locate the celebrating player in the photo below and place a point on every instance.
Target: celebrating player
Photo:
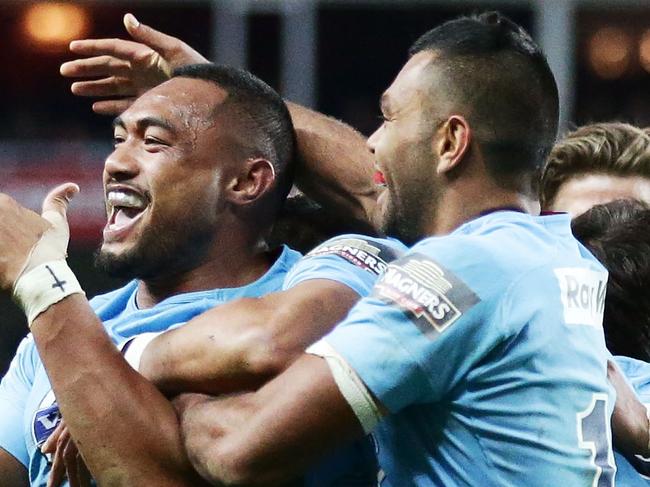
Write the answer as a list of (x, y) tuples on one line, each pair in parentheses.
[(474, 339), (200, 168)]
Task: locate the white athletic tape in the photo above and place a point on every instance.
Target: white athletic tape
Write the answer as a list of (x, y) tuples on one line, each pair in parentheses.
[(44, 285), (135, 348), (351, 386)]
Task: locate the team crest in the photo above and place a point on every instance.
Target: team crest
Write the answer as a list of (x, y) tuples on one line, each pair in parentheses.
[(46, 418)]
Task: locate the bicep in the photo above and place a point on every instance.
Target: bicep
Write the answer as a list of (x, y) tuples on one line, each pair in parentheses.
[(12, 472), (274, 434)]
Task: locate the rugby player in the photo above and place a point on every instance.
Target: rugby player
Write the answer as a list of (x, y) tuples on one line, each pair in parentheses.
[(617, 234), (596, 164), (473, 112), (199, 169)]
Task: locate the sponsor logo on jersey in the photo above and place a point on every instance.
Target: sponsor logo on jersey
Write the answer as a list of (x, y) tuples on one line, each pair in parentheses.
[(46, 418), (582, 292), (430, 295), (368, 255)]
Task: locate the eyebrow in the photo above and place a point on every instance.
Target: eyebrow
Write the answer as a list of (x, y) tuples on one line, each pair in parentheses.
[(145, 122)]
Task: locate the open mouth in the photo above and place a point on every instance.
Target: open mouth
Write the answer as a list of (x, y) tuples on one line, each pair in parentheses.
[(125, 206), (379, 179)]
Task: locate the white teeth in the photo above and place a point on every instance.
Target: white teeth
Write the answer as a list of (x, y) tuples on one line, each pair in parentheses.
[(125, 199)]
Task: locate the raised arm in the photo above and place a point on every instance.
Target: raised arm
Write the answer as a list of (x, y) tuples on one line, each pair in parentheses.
[(126, 430), (335, 166)]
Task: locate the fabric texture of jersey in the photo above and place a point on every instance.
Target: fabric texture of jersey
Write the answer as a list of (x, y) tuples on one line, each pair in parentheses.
[(353, 260), (487, 348), (635, 471), (29, 412)]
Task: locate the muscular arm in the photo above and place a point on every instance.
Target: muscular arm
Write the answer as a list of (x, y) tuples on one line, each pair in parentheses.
[(12, 472), (240, 345), (335, 166), (272, 435), (124, 427)]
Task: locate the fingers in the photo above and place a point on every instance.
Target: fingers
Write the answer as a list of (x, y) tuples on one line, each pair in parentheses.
[(60, 442), (95, 67), (112, 86), (119, 48), (71, 460), (153, 38), (49, 446), (55, 204), (112, 107)]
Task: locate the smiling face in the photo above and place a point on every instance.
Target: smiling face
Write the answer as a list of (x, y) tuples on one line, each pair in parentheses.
[(403, 149), (165, 179)]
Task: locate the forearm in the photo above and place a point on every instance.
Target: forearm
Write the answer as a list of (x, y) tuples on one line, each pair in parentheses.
[(335, 168), (270, 436), (239, 345), (630, 425), (126, 430)]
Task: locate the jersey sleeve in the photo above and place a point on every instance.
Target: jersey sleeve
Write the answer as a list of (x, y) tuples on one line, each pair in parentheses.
[(353, 260), (14, 391), (419, 333)]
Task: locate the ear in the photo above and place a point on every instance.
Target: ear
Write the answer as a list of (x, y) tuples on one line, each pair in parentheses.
[(452, 144), (254, 180)]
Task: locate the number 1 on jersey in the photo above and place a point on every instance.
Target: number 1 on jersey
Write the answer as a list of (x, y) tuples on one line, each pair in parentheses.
[(594, 435)]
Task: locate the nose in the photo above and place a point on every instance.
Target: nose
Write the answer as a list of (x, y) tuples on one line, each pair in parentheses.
[(120, 165), (372, 140)]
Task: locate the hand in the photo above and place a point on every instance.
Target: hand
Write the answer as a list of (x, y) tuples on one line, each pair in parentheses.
[(67, 461), (28, 240), (126, 69)]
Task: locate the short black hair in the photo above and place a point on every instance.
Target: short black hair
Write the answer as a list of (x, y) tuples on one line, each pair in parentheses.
[(618, 234), (261, 114), (500, 77)]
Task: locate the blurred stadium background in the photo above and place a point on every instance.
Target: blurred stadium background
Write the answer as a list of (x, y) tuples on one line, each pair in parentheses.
[(334, 55)]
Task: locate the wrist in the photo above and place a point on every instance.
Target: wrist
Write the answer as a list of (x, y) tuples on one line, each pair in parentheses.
[(43, 286)]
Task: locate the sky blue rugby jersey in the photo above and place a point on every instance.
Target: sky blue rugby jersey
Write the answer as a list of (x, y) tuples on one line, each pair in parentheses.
[(28, 413), (635, 471), (354, 260), (486, 346)]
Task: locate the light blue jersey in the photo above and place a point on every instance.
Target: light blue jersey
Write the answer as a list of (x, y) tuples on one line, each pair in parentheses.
[(29, 412), (354, 260), (635, 471), (486, 346)]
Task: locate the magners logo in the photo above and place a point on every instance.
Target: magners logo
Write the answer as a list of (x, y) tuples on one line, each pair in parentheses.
[(432, 297)]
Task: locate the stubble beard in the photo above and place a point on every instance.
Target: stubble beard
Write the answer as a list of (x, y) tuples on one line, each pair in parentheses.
[(160, 252)]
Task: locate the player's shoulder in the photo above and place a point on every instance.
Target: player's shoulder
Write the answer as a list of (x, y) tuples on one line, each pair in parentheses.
[(362, 250)]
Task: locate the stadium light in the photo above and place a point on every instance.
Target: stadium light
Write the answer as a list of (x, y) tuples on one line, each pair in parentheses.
[(610, 52), (52, 25)]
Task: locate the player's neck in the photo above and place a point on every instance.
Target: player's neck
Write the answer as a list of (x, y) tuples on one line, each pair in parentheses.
[(226, 266), (458, 207)]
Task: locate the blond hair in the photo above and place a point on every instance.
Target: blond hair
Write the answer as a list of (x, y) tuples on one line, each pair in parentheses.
[(619, 149)]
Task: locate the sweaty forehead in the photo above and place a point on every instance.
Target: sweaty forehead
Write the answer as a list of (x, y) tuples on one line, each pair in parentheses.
[(185, 100)]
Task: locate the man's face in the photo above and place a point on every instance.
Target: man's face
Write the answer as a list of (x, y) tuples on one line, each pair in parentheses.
[(402, 145), (581, 192), (163, 181)]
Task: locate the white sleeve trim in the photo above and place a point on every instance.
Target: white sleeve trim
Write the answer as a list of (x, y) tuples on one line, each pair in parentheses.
[(350, 384), (136, 346)]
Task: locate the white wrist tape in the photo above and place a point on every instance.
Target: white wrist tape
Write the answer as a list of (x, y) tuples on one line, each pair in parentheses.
[(351, 386), (44, 285), (135, 348)]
